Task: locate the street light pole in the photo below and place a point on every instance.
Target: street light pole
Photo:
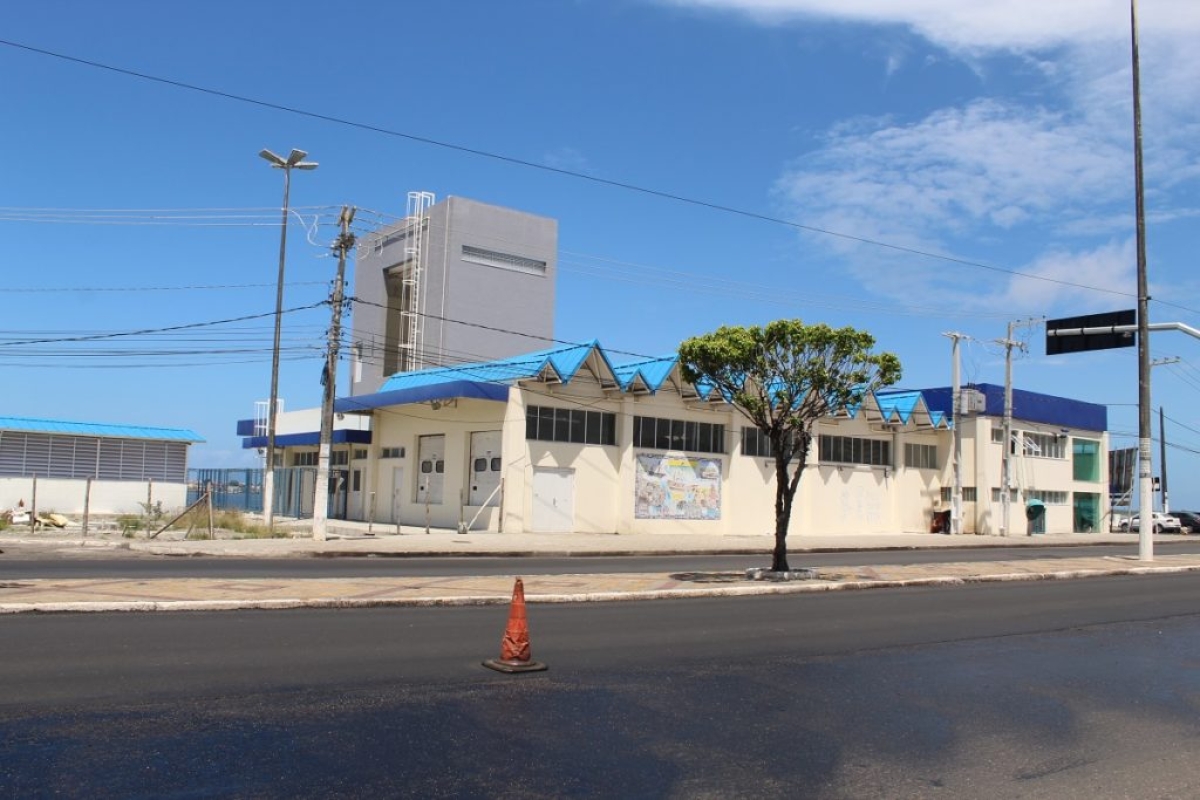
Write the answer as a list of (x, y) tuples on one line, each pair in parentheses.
[(295, 160)]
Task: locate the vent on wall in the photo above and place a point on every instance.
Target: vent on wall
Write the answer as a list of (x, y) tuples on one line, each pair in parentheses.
[(493, 258)]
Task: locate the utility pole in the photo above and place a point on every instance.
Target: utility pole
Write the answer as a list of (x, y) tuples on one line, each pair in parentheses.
[(342, 245), (956, 388), (1145, 488), (1006, 454)]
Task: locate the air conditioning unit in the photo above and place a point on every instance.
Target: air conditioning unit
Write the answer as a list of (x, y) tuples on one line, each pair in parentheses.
[(972, 401)]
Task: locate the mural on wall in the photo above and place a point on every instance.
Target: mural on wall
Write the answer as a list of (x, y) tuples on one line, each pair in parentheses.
[(677, 487)]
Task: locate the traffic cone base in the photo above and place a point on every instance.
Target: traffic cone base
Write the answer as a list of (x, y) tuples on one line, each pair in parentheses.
[(510, 667), (514, 647)]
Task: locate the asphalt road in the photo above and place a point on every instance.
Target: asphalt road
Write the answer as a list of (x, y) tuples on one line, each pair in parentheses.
[(1046, 690), (25, 562)]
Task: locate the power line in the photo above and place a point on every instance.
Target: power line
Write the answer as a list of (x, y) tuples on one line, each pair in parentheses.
[(143, 331), (560, 171)]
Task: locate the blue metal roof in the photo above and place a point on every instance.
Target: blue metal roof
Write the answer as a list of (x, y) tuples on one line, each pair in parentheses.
[(1029, 406), (561, 362), (31, 425), (652, 372), (340, 436), (446, 390)]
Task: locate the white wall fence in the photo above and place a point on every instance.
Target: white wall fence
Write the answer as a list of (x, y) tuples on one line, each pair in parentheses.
[(68, 496)]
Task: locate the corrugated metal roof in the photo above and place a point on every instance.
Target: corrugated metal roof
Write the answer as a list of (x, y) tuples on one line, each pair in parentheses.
[(32, 425), (558, 362)]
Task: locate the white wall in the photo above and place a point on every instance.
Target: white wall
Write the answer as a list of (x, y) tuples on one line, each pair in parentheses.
[(66, 495)]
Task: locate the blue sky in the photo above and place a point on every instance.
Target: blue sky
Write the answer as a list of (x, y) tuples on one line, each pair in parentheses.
[(987, 146)]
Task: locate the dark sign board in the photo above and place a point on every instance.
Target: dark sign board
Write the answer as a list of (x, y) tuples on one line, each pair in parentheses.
[(1073, 340)]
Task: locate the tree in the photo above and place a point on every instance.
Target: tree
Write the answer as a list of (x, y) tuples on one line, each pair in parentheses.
[(784, 377)]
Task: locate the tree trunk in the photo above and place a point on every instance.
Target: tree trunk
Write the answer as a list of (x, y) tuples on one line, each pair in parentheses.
[(785, 494)]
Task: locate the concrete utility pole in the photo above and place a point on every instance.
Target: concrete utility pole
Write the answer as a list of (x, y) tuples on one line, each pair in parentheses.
[(1145, 486), (956, 495), (344, 243), (1006, 454)]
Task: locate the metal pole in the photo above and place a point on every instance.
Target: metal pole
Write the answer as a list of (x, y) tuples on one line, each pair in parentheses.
[(321, 499), (1145, 486), (273, 402), (1162, 460)]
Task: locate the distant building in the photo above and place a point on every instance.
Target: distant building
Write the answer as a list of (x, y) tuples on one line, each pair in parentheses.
[(127, 464), (457, 281), (1059, 461)]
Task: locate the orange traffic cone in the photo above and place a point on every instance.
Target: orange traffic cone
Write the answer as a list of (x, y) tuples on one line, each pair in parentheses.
[(514, 647)]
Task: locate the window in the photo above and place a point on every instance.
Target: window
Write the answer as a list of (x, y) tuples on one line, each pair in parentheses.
[(1044, 445), (855, 450), (305, 459), (496, 464), (1012, 495), (678, 434), (756, 442), (1086, 460), (339, 458), (359, 453), (574, 425), (1048, 498), (997, 435), (968, 492), (391, 452), (920, 456)]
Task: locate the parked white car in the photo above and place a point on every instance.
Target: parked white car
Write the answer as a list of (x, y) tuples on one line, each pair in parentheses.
[(1160, 523)]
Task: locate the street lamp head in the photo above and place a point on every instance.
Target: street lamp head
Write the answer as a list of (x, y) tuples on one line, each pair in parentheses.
[(295, 159), (276, 161)]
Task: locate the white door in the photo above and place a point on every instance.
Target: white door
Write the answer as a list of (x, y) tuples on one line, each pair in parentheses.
[(553, 500), (431, 469), (485, 469), (397, 493)]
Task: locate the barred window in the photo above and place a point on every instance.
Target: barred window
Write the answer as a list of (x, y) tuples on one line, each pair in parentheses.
[(678, 434), (305, 459), (1045, 445), (339, 458), (574, 425), (855, 450), (920, 456), (1050, 498)]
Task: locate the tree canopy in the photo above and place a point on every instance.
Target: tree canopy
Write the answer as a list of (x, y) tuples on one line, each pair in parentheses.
[(783, 377)]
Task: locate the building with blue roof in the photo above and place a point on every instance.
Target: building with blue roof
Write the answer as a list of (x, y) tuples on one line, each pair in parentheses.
[(573, 438), (59, 462)]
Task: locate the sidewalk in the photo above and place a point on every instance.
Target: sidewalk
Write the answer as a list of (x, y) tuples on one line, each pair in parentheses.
[(866, 565)]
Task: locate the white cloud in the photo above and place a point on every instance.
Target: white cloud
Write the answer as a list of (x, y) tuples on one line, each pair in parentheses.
[(1047, 182), (987, 165), (971, 25), (1109, 267)]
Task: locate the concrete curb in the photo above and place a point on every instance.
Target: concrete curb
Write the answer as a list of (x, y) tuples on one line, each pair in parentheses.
[(795, 587)]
